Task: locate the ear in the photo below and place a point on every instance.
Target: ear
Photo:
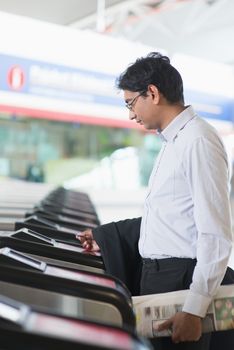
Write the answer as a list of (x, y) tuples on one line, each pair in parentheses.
[(154, 92)]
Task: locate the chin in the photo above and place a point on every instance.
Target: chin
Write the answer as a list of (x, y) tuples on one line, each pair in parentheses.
[(149, 127)]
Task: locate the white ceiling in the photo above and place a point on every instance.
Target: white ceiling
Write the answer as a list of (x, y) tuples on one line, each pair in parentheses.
[(196, 27), (202, 28), (62, 12)]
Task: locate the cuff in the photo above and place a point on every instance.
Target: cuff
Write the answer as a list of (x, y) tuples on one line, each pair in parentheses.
[(196, 304)]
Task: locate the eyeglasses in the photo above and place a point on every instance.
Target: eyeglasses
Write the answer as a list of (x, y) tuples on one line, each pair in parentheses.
[(130, 104)]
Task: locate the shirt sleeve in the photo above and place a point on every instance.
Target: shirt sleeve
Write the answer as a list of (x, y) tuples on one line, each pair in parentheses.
[(206, 169)]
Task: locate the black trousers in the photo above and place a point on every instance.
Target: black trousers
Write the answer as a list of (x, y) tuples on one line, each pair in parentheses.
[(167, 275)]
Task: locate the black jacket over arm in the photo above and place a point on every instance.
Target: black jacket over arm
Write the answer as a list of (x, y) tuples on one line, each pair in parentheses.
[(118, 242)]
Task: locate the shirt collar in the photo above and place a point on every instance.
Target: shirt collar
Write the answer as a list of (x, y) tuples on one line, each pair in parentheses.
[(178, 123)]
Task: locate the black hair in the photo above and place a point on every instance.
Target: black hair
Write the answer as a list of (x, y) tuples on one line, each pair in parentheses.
[(153, 69)]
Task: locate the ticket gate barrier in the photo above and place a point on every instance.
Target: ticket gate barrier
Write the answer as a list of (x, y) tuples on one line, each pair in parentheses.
[(51, 251), (80, 204), (61, 192), (28, 328), (20, 201), (21, 212), (64, 220), (43, 220), (68, 205), (65, 194), (71, 293), (73, 213), (69, 220), (44, 226)]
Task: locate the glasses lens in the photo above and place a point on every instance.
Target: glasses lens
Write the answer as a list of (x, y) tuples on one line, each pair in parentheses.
[(130, 105)]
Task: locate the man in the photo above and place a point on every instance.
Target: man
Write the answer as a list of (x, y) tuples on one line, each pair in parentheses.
[(185, 234)]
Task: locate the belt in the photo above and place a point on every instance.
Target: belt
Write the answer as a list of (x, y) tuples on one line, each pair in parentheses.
[(168, 261)]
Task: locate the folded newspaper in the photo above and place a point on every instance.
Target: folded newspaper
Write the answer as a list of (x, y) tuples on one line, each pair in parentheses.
[(152, 310)]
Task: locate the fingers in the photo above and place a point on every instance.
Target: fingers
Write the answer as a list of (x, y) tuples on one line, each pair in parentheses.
[(168, 325), (186, 327), (165, 325), (88, 244), (84, 236), (80, 237), (95, 247), (87, 241), (91, 246), (84, 240)]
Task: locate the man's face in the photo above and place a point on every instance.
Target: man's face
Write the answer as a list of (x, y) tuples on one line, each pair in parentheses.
[(143, 109)]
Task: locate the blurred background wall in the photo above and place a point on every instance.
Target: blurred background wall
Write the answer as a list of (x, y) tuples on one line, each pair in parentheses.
[(62, 120)]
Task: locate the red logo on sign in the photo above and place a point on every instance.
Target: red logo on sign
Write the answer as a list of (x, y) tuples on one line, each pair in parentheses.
[(16, 78)]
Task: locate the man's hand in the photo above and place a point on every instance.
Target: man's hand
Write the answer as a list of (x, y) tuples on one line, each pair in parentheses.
[(87, 241), (184, 326)]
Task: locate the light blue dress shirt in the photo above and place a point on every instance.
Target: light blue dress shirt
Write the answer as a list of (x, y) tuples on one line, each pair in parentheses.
[(187, 208)]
